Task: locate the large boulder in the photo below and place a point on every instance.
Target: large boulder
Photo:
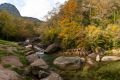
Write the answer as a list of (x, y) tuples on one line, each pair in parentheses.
[(71, 63), (52, 48), (6, 74), (11, 60), (53, 76), (39, 63), (38, 69), (110, 58)]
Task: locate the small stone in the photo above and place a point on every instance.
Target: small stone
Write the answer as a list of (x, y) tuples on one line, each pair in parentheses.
[(92, 56), (53, 76), (98, 58), (110, 58), (43, 74), (31, 58)]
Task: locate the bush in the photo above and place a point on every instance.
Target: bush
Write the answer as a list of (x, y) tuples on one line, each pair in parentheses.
[(109, 71), (50, 35), (96, 38), (99, 38), (89, 38), (114, 32), (70, 36)]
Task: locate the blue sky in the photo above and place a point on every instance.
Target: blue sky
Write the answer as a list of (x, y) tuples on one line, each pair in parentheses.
[(34, 8)]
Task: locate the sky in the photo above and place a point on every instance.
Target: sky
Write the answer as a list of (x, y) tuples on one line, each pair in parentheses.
[(34, 8)]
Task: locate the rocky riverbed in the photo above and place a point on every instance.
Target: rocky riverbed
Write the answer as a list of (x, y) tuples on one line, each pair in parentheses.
[(35, 61), (65, 66)]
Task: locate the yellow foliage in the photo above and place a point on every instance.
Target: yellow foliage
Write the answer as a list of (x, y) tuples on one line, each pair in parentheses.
[(69, 9), (93, 32), (113, 29)]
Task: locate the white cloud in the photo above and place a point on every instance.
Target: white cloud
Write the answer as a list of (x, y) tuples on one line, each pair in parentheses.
[(60, 1), (2, 1), (34, 8)]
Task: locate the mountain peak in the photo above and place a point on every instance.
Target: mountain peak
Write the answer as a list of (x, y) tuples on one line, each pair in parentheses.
[(10, 8)]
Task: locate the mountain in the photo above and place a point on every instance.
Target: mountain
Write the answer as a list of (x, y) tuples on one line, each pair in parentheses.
[(10, 8), (14, 11), (33, 19)]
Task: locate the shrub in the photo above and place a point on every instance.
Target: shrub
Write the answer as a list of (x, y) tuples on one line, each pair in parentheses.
[(71, 36), (114, 32), (89, 38), (96, 38), (99, 38), (109, 71), (50, 34)]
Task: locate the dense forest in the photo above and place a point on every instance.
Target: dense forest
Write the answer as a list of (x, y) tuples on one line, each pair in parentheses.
[(88, 29)]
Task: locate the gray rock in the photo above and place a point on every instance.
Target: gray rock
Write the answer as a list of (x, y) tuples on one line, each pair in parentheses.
[(6, 74), (53, 76), (38, 49), (70, 63), (40, 45), (39, 63), (98, 58), (110, 58), (31, 58), (52, 48), (92, 55), (43, 74), (91, 63), (28, 46), (29, 53), (11, 60), (37, 72)]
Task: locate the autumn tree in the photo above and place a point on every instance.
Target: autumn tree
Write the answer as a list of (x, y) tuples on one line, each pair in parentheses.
[(15, 28), (7, 25)]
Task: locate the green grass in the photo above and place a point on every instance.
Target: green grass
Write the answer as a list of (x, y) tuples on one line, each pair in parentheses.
[(3, 42), (3, 53), (110, 71)]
